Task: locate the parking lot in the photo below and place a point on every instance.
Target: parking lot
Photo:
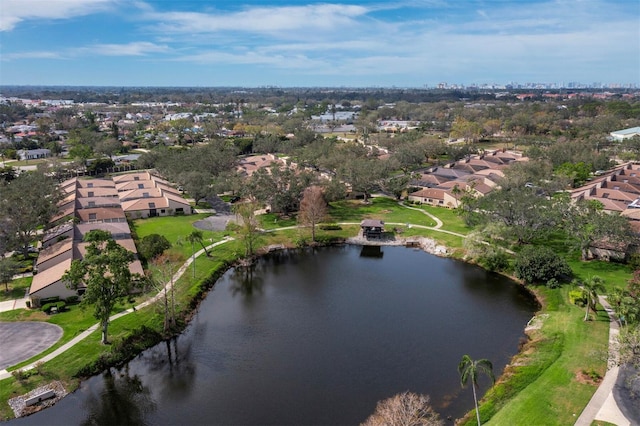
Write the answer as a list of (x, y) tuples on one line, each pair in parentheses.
[(22, 340)]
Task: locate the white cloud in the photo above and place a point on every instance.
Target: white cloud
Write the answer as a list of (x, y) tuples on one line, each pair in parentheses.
[(253, 58), (32, 55), (137, 48), (278, 19), (15, 11)]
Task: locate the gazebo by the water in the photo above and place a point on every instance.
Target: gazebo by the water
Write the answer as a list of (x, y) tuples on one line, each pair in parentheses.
[(372, 228)]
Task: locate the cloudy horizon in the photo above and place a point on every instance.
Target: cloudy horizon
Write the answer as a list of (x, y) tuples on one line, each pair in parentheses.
[(318, 44)]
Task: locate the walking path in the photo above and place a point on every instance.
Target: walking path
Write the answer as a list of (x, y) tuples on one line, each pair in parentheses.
[(4, 374), (603, 405)]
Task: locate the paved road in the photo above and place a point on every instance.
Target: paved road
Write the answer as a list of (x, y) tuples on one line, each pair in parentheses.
[(22, 340)]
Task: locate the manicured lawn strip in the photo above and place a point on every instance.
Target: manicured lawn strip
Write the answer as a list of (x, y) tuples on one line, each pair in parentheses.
[(175, 229), (452, 220), (541, 386), (615, 275), (356, 210), (292, 237), (272, 221), (17, 289)]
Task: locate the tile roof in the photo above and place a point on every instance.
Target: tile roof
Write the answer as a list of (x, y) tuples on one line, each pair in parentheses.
[(101, 213), (50, 276), (54, 250), (145, 204)]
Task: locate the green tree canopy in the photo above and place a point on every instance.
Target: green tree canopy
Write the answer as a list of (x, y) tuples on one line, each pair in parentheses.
[(539, 264), (26, 203), (104, 271), (8, 268), (153, 245)]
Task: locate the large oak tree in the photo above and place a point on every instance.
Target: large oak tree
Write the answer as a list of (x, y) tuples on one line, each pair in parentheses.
[(26, 203), (104, 271)]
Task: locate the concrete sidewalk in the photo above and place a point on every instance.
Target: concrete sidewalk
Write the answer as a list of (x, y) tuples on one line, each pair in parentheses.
[(10, 305), (603, 405)]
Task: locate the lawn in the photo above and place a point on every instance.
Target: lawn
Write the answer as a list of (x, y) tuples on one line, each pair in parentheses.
[(553, 368), (17, 289), (176, 229), (391, 212)]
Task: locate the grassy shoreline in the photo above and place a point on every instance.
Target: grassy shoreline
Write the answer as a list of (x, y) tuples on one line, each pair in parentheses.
[(543, 379)]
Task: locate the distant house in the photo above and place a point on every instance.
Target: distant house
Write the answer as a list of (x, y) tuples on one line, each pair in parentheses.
[(620, 135), (434, 196), (144, 195), (33, 154)]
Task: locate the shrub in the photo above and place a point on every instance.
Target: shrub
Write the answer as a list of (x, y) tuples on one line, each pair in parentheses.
[(153, 245), (576, 298), (72, 299), (60, 306), (26, 269), (331, 227), (634, 261), (301, 242), (540, 264), (497, 260), (554, 283), (28, 303), (21, 375)]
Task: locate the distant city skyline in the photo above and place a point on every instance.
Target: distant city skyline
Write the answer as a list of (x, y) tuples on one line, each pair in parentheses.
[(295, 43)]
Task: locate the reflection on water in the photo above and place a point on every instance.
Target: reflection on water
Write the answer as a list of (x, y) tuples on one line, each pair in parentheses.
[(245, 281), (123, 400), (316, 336), (371, 251)]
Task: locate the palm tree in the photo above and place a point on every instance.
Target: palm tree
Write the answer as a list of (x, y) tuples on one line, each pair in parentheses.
[(470, 369), (591, 288), (197, 237)]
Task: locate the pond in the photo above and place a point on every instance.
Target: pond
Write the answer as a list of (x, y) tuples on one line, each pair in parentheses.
[(315, 336)]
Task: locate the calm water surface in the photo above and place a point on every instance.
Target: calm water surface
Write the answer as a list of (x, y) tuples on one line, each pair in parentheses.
[(314, 337)]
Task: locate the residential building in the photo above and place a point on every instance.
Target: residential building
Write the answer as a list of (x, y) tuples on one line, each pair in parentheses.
[(620, 135), (97, 204)]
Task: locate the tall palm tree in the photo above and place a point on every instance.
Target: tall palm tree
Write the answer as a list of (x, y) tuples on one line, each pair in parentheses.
[(591, 288), (470, 369), (197, 237)]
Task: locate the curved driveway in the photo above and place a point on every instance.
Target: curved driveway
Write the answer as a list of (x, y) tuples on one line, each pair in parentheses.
[(23, 340)]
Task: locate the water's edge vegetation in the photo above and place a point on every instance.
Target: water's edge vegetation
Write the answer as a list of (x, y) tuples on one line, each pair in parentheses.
[(138, 331)]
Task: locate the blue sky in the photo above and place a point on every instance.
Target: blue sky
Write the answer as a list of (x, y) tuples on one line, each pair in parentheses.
[(309, 43)]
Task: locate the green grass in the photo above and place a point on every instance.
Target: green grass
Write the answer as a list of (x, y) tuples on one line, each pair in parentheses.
[(543, 384), (176, 229), (615, 275), (17, 289), (391, 212), (450, 218), (273, 221)]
